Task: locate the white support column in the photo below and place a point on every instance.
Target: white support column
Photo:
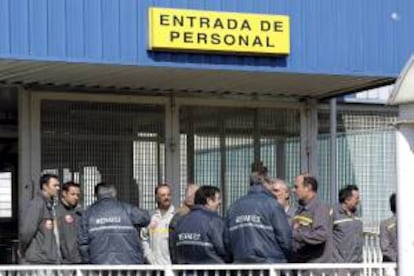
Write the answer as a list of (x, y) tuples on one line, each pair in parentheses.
[(172, 148), (405, 189), (309, 137)]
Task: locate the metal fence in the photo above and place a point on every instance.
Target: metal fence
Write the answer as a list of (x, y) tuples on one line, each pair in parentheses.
[(371, 250), (366, 156), (120, 143), (388, 269), (221, 144), (125, 143)]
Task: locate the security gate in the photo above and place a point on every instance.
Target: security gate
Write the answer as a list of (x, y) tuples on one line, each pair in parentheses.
[(119, 143), (221, 144), (137, 142)]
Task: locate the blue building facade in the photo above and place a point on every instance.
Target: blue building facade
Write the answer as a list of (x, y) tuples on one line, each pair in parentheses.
[(362, 38), (83, 95)]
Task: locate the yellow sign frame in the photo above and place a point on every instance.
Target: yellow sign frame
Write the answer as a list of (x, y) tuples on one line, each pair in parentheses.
[(223, 32)]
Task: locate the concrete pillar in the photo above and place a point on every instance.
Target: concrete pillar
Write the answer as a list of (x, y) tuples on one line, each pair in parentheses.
[(172, 149), (405, 189), (309, 137), (333, 174)]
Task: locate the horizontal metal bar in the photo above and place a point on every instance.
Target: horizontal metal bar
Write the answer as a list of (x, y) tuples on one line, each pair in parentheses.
[(182, 101), (294, 266), (359, 107), (102, 98)]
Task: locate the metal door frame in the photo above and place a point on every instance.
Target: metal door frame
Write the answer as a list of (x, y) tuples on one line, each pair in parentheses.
[(30, 130), (308, 136), (30, 136)]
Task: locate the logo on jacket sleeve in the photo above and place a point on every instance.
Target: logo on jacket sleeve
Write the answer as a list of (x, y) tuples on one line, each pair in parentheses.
[(69, 219), (189, 236), (48, 224), (302, 220)]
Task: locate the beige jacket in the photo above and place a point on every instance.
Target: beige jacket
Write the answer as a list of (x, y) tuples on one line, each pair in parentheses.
[(155, 237)]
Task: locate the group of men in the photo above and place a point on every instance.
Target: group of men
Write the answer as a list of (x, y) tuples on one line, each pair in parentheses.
[(260, 227)]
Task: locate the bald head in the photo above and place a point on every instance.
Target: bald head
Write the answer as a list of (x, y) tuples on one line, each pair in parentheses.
[(281, 191), (190, 191)]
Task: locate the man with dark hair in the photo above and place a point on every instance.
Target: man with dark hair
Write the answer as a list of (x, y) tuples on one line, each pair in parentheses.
[(312, 224), (68, 216), (258, 228), (38, 231), (347, 227), (155, 236), (388, 234), (199, 237), (108, 233)]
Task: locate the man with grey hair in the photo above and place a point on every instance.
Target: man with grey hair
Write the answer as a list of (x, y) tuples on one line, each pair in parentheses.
[(282, 193), (108, 233)]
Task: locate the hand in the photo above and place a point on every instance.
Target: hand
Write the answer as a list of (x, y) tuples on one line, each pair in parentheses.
[(296, 225)]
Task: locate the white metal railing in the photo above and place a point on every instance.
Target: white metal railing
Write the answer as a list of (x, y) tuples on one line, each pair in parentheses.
[(383, 269), (371, 251)]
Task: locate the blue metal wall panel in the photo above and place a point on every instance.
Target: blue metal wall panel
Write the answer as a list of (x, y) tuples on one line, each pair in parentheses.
[(4, 27), (74, 28), (110, 25), (19, 17), (354, 37), (37, 27), (56, 43), (128, 31), (93, 29)]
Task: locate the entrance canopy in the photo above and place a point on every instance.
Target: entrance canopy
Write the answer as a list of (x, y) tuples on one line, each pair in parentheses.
[(192, 81)]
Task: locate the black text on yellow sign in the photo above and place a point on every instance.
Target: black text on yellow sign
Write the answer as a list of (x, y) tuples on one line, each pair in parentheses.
[(195, 30)]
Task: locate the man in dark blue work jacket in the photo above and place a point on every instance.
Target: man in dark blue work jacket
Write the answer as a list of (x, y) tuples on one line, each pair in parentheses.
[(258, 228), (199, 237), (108, 233)]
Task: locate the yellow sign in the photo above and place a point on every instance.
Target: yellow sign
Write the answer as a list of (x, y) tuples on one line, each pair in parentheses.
[(196, 30)]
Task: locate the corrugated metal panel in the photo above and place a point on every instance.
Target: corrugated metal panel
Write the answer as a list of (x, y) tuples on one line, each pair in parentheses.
[(147, 79), (371, 37)]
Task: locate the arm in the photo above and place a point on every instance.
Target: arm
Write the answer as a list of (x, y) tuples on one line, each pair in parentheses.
[(227, 243), (139, 217), (145, 235), (32, 217), (172, 237), (83, 239), (282, 230), (387, 250), (217, 235), (317, 231)]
